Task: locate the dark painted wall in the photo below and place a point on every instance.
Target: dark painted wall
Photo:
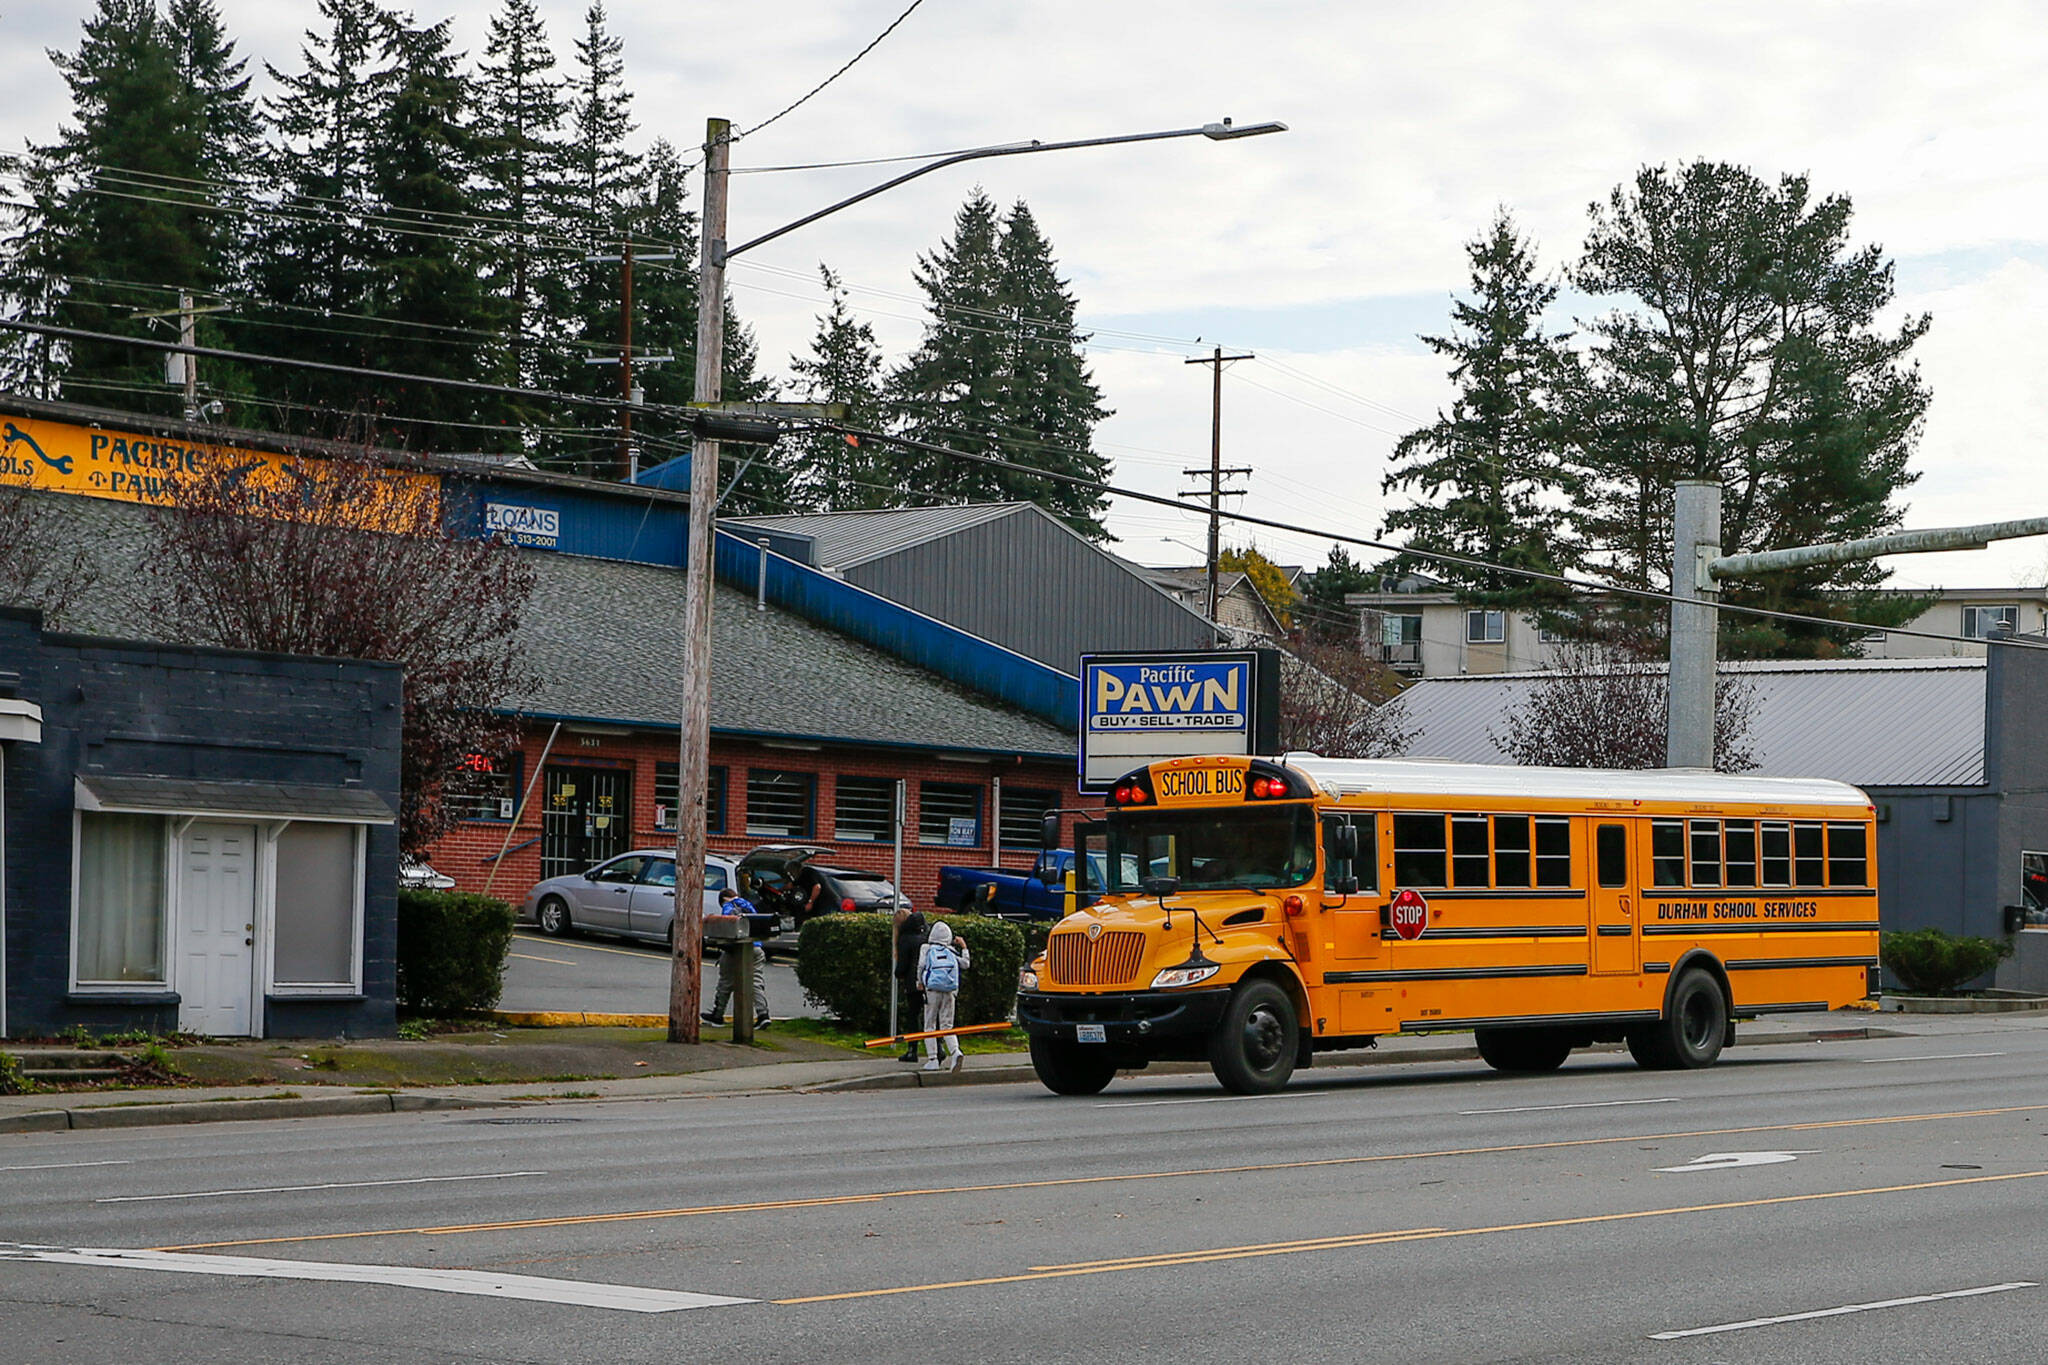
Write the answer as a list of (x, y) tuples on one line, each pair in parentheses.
[(137, 710), (1028, 583)]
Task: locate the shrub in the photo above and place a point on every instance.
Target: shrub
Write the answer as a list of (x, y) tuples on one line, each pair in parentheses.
[(451, 951), (1934, 963), (843, 966), (12, 1081)]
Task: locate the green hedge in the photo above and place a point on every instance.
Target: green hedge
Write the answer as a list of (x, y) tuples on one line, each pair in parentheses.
[(451, 951), (843, 966), (1929, 962)]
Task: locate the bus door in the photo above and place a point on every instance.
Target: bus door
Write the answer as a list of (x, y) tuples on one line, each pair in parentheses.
[(1352, 923), (1615, 934)]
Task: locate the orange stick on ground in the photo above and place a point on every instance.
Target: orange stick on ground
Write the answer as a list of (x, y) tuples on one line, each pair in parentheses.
[(935, 1033)]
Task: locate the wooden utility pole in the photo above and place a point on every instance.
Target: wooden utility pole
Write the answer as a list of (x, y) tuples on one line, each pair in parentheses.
[(694, 756), (1215, 471), (626, 469)]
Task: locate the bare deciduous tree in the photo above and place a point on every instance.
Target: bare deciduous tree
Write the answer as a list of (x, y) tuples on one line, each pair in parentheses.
[(41, 565), (346, 558), (1336, 702), (1605, 708)]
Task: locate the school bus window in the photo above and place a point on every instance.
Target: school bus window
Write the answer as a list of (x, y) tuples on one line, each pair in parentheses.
[(1777, 841), (1367, 865), (1553, 851), (1706, 852), (1667, 853), (1215, 850), (1611, 847), (1847, 861), (1468, 850), (1419, 854), (1511, 850), (1809, 863), (1741, 852)]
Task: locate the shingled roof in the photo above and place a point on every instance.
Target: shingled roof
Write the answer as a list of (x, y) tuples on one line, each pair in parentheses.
[(606, 639)]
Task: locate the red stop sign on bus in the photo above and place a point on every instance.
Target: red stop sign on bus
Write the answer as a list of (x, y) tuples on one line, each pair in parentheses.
[(1409, 914)]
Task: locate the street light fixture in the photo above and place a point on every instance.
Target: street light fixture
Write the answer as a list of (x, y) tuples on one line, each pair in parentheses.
[(695, 741)]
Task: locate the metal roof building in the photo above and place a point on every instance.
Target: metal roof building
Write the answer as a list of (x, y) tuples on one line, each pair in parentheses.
[(1011, 573), (1872, 723), (1953, 752)]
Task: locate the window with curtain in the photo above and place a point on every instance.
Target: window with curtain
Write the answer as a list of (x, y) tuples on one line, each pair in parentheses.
[(316, 906), (119, 930)]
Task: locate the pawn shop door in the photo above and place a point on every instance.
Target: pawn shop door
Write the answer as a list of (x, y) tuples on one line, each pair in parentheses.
[(585, 819)]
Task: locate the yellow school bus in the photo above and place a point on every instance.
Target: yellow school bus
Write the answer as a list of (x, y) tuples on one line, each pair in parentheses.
[(1259, 912)]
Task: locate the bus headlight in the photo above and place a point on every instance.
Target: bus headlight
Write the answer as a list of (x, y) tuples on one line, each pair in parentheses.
[(1184, 976), (1027, 980)]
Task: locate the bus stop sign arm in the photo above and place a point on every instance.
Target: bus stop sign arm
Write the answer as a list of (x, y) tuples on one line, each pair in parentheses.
[(1697, 568)]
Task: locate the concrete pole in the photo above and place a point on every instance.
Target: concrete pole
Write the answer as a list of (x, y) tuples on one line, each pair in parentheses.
[(694, 758), (1695, 540)]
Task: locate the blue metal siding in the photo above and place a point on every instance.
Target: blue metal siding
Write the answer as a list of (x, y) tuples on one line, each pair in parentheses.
[(647, 530), (951, 653)]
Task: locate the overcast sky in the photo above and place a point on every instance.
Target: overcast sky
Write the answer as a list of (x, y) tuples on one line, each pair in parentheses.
[(1326, 249)]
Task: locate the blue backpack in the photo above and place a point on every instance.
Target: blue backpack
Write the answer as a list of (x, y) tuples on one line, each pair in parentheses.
[(942, 968)]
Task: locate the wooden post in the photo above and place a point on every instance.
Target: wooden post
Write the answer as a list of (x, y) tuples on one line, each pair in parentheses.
[(694, 758)]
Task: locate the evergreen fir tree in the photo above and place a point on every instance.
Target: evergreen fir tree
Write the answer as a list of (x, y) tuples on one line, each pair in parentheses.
[(1745, 347), (425, 285), (1489, 484), (1325, 616), (1000, 371), (314, 264), (845, 366), (122, 216), (520, 107)]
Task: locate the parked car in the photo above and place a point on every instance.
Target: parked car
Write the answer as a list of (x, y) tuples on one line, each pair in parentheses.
[(421, 877), (631, 896), (1040, 894), (778, 878)]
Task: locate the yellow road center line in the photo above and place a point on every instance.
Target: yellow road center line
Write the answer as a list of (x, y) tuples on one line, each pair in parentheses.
[(649, 955), (1304, 1244), (835, 1200), (1381, 1239), (531, 957)]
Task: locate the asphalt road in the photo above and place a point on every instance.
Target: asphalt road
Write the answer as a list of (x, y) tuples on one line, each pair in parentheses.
[(1824, 1202), (615, 976)]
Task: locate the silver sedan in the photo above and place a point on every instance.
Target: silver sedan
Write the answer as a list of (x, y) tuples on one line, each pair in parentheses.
[(632, 896)]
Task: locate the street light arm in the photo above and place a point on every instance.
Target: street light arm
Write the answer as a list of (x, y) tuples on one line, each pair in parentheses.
[(1214, 131), (1899, 543)]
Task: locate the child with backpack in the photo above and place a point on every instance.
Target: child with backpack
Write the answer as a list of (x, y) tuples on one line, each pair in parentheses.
[(939, 966)]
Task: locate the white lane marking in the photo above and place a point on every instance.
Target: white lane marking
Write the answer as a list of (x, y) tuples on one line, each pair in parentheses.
[(1932, 1057), (333, 1185), (66, 1165), (531, 957), (1211, 1099), (1590, 1104), (484, 1283), (1728, 1161), (1846, 1308)]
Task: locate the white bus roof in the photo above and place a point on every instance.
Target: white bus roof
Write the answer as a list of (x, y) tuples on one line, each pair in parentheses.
[(1358, 776)]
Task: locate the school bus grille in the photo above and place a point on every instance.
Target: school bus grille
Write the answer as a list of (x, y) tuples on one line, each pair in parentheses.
[(1111, 960)]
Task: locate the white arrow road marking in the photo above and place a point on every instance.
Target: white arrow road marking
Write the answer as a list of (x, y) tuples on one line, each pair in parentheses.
[(485, 1283), (296, 1189), (1846, 1308), (1728, 1161)]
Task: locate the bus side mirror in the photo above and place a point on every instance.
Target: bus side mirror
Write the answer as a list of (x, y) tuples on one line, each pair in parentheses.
[(1049, 830), (1343, 842), (1346, 886)]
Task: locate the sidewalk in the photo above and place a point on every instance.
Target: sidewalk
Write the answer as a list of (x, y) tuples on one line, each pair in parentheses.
[(729, 1071)]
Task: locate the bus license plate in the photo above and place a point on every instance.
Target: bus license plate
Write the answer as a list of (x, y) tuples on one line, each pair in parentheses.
[(1090, 1033)]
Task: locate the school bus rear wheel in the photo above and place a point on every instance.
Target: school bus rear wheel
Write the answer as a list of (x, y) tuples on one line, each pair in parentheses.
[(1253, 1047), (1692, 1031)]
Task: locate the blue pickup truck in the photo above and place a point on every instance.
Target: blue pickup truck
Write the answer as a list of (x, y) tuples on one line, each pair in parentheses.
[(1039, 894)]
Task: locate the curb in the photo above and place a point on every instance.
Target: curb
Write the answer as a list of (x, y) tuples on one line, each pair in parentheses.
[(149, 1114), (576, 1019)]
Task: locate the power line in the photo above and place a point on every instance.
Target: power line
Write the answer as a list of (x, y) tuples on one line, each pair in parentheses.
[(805, 97)]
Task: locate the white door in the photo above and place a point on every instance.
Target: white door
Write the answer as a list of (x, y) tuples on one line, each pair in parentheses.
[(216, 918)]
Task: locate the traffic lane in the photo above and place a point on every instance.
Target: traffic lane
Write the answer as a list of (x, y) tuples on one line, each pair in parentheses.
[(615, 976), (610, 1157), (669, 1197), (1513, 1257)]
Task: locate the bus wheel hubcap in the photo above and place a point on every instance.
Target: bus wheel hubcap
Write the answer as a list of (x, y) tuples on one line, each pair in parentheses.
[(1262, 1038)]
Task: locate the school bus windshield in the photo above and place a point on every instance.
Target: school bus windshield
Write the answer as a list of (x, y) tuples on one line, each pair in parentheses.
[(1213, 850)]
